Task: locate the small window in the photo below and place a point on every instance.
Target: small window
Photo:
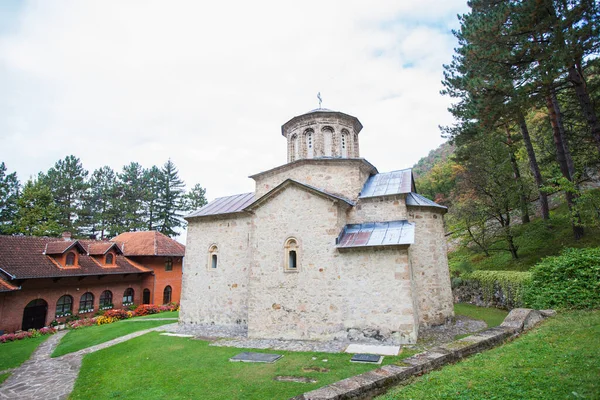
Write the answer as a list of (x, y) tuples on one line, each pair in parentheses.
[(106, 299), (128, 296), (64, 306), (291, 255), (70, 259), (213, 257), (167, 295), (86, 303), (169, 264), (109, 259)]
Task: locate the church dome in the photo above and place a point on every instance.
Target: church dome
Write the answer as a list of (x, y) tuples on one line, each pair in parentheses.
[(322, 133)]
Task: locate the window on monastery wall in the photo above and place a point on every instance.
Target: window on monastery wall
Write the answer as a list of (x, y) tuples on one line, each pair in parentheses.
[(167, 295), (128, 297), (70, 259), (64, 306), (106, 300), (327, 141), (110, 259), (213, 257), (308, 134), (291, 255), (294, 148), (344, 143), (86, 303), (169, 264)]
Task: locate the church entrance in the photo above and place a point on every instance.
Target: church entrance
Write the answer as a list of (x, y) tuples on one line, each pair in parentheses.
[(34, 315)]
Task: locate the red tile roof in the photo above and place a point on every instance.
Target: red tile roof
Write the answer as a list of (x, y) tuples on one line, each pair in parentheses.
[(97, 248), (149, 243), (23, 257), (57, 246)]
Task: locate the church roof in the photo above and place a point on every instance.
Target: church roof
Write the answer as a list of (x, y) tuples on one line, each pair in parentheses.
[(391, 233), (224, 205), (415, 199), (388, 183)]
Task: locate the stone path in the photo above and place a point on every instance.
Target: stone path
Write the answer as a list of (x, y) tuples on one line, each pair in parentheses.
[(149, 319), (42, 377)]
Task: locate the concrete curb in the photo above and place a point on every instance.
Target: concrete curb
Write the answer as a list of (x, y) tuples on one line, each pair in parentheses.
[(373, 383)]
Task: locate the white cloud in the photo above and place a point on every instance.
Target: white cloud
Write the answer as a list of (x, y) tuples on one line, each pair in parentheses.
[(209, 84)]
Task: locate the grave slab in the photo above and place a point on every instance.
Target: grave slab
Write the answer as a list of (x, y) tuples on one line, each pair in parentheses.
[(367, 358), (176, 335), (373, 349), (255, 357)]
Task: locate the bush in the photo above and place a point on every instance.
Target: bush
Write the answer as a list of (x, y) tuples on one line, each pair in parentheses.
[(503, 289), (146, 309), (117, 314), (568, 281), (32, 333)]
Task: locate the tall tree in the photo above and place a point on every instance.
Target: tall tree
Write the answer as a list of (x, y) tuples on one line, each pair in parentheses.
[(194, 199), (67, 182), (102, 200), (9, 194), (132, 201), (170, 200), (152, 183), (37, 213)]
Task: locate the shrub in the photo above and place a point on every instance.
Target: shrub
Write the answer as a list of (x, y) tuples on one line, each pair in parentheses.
[(32, 333), (117, 314), (80, 323), (570, 280), (103, 319), (146, 309), (503, 289)]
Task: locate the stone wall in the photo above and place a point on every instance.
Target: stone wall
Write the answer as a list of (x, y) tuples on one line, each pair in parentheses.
[(217, 296), (366, 293), (379, 209), (429, 260)]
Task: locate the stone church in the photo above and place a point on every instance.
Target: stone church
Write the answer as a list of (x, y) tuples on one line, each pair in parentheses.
[(325, 248)]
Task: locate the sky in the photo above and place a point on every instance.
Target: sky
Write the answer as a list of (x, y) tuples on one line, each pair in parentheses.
[(209, 84)]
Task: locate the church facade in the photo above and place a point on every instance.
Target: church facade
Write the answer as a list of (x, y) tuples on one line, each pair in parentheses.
[(325, 248)]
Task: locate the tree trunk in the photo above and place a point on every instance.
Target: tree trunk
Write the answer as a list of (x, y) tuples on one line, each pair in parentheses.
[(561, 128), (585, 101), (533, 164), (523, 203), (557, 134)]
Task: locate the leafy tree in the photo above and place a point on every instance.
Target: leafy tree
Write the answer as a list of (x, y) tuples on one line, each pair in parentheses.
[(194, 199), (9, 194), (67, 183), (170, 200), (37, 213)]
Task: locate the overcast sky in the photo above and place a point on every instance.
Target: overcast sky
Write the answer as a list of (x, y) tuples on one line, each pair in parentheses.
[(209, 84)]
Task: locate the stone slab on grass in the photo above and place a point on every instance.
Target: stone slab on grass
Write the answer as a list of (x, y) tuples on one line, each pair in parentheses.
[(176, 335), (373, 349), (367, 358), (255, 357)]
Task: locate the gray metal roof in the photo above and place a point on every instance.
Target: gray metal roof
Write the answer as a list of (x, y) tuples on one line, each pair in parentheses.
[(388, 183), (415, 199), (377, 234), (224, 205)]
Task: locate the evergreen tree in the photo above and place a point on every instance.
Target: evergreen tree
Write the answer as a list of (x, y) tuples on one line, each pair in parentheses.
[(37, 213), (170, 200), (133, 188), (102, 202), (67, 183), (152, 190), (9, 194), (194, 199)]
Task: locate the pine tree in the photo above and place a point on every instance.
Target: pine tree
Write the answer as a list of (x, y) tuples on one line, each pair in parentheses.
[(102, 202), (67, 183), (37, 213), (132, 184), (194, 199), (9, 194), (170, 200), (152, 179)]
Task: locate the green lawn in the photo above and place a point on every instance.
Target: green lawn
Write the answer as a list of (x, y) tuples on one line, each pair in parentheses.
[(167, 314), (82, 338), (535, 241), (4, 377), (13, 354), (558, 360), (491, 316), (160, 367)]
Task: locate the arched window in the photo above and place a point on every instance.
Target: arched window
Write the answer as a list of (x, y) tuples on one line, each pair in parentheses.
[(128, 296), (293, 147), (167, 295), (70, 258), (109, 259), (344, 143), (213, 256), (64, 305), (308, 137), (291, 255), (106, 299), (327, 141), (86, 303)]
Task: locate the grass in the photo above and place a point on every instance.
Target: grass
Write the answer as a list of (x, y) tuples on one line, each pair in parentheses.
[(82, 338), (161, 367), (13, 354), (4, 377), (166, 314), (557, 360), (535, 240), (492, 316)]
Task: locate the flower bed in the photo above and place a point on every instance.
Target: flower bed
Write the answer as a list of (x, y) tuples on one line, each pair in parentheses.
[(32, 333)]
